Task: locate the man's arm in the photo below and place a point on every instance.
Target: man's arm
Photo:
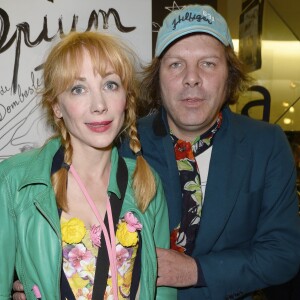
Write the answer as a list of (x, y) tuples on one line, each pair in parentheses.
[(271, 254), (175, 269), (18, 291)]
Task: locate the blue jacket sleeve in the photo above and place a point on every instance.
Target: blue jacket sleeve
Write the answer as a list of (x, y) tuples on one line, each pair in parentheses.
[(124, 149), (271, 256)]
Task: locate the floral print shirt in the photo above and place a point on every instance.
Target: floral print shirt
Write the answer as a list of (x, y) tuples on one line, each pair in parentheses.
[(183, 236), (80, 256)]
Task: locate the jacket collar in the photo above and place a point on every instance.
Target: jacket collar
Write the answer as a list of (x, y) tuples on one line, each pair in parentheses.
[(160, 123), (161, 126), (40, 169), (113, 184), (230, 122), (230, 154), (38, 172)]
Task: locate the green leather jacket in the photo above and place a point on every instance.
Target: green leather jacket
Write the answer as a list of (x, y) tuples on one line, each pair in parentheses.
[(30, 239)]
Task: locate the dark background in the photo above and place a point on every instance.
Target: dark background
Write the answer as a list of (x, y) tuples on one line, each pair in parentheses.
[(160, 8)]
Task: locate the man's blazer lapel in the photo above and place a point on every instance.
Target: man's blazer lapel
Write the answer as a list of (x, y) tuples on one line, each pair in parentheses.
[(166, 150), (228, 169)]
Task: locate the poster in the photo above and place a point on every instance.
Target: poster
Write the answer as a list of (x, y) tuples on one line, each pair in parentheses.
[(250, 32), (28, 29)]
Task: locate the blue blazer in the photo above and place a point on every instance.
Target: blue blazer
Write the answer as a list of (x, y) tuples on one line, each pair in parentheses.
[(249, 235)]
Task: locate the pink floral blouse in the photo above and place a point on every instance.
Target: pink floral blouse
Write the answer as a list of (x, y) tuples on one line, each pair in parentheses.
[(80, 256)]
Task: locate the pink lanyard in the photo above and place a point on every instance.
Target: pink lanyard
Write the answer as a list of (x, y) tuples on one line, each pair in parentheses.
[(110, 242)]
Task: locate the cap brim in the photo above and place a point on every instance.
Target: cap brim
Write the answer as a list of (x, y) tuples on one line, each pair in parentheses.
[(181, 33)]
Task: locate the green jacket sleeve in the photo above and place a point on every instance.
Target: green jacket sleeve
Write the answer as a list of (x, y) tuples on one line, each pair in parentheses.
[(7, 237), (162, 238)]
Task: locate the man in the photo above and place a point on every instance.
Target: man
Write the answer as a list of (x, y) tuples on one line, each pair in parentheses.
[(235, 228), (229, 180)]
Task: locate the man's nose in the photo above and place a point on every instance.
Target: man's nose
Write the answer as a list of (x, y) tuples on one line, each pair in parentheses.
[(192, 76)]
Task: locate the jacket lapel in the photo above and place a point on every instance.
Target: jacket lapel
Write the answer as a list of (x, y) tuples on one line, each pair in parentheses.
[(38, 174), (228, 165), (173, 192)]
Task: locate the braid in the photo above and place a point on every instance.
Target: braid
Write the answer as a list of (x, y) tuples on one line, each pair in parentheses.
[(59, 178), (143, 183)]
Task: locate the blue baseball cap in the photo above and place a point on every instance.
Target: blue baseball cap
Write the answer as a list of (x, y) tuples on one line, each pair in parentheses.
[(192, 19)]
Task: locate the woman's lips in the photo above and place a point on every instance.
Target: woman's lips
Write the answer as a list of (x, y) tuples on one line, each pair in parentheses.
[(99, 126)]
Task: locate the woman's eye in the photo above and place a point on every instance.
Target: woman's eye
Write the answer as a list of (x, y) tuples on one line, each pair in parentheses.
[(77, 90), (111, 85)]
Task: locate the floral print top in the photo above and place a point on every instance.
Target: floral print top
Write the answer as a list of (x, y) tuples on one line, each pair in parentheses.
[(80, 250)]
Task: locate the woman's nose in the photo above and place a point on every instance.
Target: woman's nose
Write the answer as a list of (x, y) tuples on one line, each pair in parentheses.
[(98, 104)]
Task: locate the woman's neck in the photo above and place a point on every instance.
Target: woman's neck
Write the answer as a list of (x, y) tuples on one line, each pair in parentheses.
[(92, 165)]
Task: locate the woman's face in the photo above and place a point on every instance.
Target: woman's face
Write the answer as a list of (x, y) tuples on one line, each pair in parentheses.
[(93, 107)]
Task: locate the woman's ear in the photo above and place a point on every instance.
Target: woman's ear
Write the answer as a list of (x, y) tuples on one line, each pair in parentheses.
[(56, 110)]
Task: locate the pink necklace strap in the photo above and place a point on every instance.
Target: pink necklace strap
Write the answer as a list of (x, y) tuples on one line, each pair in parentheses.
[(110, 241)]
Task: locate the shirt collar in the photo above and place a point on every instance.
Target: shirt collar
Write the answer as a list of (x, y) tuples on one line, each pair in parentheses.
[(113, 185)]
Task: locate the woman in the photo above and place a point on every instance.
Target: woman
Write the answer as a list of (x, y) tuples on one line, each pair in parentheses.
[(54, 199)]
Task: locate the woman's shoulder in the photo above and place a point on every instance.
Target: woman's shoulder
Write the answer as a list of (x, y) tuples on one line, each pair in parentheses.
[(18, 160), (130, 163), (31, 159)]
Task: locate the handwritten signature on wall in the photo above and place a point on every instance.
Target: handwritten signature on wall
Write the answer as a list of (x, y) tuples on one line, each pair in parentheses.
[(19, 114), (24, 29)]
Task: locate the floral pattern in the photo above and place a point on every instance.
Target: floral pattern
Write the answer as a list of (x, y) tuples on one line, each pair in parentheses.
[(73, 231), (95, 233), (183, 236), (79, 258)]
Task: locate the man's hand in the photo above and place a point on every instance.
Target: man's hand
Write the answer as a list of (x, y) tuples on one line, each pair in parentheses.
[(175, 269), (18, 291)]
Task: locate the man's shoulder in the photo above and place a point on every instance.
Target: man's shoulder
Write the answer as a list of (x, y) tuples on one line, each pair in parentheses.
[(253, 125), (131, 165), (146, 122), (244, 127), (147, 128)]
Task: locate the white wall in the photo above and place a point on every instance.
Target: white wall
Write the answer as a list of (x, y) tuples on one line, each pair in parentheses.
[(25, 27)]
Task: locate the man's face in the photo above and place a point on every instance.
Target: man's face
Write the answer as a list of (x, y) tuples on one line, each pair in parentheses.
[(193, 79)]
